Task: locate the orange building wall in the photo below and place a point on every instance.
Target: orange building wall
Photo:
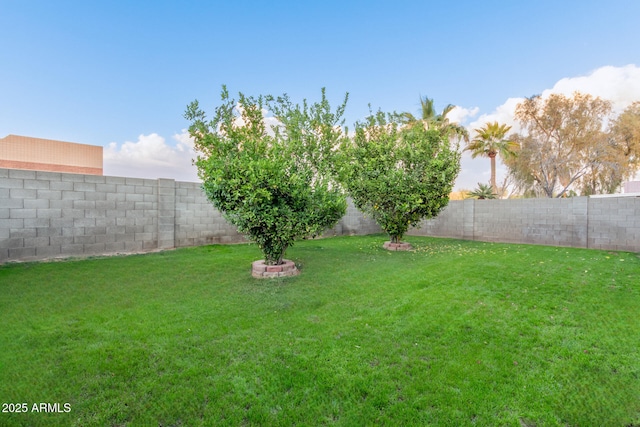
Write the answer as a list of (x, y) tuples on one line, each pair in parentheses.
[(23, 152)]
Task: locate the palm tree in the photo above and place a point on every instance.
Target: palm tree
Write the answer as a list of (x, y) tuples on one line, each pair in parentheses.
[(431, 120), (489, 142), (484, 191)]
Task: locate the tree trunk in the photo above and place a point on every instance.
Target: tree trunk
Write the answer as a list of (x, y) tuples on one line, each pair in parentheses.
[(281, 256), (494, 187), (274, 260)]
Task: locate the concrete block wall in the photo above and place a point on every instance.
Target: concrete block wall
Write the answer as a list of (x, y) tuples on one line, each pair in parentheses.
[(197, 222), (611, 223), (353, 223), (614, 223), (560, 222), (50, 214), (166, 213), (449, 223)]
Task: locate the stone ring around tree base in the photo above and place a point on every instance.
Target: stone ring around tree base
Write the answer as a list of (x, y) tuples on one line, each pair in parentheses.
[(260, 270), (400, 246)]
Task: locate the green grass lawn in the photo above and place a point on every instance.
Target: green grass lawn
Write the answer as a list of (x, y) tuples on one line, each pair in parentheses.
[(454, 333)]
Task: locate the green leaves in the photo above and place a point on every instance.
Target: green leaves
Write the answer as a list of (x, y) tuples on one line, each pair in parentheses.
[(274, 184), (398, 175), (483, 191)]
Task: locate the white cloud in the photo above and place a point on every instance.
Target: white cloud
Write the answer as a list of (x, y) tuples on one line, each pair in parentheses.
[(460, 114), (620, 85), (151, 157), (504, 114), (185, 142)]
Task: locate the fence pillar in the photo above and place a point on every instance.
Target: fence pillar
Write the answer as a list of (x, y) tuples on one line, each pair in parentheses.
[(166, 213), (468, 219)]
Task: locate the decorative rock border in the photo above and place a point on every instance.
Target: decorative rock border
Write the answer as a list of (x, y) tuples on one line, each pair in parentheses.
[(401, 246), (260, 270)]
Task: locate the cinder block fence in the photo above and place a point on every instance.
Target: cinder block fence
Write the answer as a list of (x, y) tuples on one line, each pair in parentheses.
[(50, 214), (611, 223)]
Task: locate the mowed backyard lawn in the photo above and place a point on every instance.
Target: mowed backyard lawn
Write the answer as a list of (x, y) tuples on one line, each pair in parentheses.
[(454, 333)]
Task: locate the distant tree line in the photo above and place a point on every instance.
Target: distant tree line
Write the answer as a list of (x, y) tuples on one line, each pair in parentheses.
[(573, 145), (566, 146), (278, 183)]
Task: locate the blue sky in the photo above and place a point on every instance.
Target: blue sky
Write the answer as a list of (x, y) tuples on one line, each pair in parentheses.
[(120, 73)]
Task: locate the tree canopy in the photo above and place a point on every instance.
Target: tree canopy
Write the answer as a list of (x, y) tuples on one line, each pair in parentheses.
[(483, 191), (567, 144), (626, 133), (624, 151), (490, 142), (274, 184), (398, 174), (430, 119)]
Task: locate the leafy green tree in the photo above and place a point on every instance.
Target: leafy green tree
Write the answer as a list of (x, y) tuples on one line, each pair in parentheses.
[(490, 142), (430, 119), (484, 191), (272, 183), (398, 175)]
